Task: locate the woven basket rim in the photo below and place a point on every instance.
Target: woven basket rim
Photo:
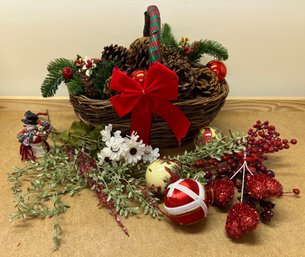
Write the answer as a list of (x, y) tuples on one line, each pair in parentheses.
[(106, 103)]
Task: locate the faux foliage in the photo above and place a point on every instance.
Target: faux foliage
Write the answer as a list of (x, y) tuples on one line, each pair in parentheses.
[(54, 77)]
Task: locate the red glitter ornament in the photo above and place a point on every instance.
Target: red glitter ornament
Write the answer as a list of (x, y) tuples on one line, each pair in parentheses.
[(218, 68), (222, 191), (262, 186), (67, 73), (240, 220), (186, 202), (139, 75)]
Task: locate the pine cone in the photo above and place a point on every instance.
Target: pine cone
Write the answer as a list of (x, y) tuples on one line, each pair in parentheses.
[(182, 66), (205, 82), (118, 54), (89, 88), (106, 90), (139, 54)]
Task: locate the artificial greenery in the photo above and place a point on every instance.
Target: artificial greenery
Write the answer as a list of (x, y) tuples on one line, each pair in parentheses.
[(75, 85), (167, 37), (197, 49), (101, 73), (72, 165), (54, 77)]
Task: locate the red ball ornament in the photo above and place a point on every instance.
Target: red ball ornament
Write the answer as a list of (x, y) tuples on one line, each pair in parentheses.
[(139, 75), (67, 73), (219, 68), (206, 134), (186, 201)]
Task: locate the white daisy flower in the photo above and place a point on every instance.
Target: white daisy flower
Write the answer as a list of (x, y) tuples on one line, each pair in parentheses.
[(134, 150), (107, 133), (150, 154), (116, 146), (104, 157)]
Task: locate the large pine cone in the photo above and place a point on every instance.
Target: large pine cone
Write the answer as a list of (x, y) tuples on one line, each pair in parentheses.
[(205, 82), (118, 54), (182, 66), (139, 54)]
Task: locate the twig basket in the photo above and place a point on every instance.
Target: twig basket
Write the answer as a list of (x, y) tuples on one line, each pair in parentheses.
[(199, 111)]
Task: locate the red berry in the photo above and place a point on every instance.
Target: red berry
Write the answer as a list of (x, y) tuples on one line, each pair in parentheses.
[(286, 146), (296, 191), (271, 127), (285, 141), (293, 141), (267, 215), (67, 73), (208, 174)]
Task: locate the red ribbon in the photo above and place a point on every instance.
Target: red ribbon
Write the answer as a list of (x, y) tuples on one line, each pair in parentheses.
[(160, 86)]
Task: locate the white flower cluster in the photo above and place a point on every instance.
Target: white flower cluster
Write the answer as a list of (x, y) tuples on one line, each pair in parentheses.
[(129, 149)]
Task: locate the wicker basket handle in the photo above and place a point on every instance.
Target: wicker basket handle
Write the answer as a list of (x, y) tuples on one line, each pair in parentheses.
[(152, 28)]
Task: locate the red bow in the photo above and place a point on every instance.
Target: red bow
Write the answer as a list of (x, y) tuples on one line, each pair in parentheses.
[(160, 86)]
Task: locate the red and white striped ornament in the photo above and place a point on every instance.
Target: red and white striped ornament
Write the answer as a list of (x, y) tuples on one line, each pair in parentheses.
[(186, 201)]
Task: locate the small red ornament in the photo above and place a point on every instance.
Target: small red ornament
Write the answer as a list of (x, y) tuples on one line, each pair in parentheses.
[(222, 191), (67, 73), (206, 134), (219, 68), (186, 202), (139, 75), (240, 220)]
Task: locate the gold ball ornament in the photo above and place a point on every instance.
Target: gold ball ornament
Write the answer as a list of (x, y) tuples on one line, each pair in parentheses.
[(206, 134), (157, 174)]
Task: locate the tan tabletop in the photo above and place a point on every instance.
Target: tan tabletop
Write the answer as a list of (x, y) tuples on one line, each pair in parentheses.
[(91, 231)]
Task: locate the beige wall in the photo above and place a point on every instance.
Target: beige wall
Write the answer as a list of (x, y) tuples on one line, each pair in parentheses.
[(265, 38)]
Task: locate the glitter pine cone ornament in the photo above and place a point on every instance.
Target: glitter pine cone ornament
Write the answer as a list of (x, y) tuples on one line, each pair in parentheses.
[(241, 219), (261, 186), (222, 192)]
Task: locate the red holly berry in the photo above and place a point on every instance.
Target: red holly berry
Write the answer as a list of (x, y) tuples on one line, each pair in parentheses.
[(67, 73)]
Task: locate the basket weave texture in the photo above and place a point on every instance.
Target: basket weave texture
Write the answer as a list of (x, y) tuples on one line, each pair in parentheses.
[(200, 112)]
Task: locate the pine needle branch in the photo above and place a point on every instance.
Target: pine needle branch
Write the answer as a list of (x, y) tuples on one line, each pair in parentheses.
[(209, 47), (167, 37), (54, 78)]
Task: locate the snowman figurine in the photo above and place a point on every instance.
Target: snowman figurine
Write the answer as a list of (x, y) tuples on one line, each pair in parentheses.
[(33, 137)]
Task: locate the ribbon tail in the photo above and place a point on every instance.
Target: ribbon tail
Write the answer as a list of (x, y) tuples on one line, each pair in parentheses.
[(174, 117), (141, 117)]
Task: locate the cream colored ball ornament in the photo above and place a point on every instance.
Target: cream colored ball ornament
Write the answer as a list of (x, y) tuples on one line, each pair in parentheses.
[(157, 175)]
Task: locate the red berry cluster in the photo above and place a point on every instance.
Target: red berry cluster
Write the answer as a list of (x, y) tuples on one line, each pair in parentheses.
[(259, 183), (262, 139)]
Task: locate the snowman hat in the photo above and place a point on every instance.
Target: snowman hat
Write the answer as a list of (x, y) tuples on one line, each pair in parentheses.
[(30, 118)]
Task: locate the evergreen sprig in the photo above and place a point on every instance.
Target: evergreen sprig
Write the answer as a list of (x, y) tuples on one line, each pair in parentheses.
[(209, 47), (101, 73), (75, 86), (197, 49), (167, 37), (54, 77)]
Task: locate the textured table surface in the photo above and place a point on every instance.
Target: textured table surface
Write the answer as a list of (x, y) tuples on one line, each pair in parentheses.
[(91, 231)]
